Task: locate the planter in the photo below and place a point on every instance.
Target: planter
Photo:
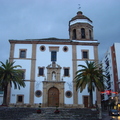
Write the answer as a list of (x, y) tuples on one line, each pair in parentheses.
[(56, 111), (38, 111)]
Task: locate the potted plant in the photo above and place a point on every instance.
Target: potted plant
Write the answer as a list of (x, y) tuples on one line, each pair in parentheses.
[(39, 109), (56, 111)]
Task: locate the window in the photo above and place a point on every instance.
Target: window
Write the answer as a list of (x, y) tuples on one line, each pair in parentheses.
[(40, 71), (74, 34), (22, 53), (82, 33), (42, 48), (66, 72), (65, 48), (85, 55), (53, 56), (68, 94), (20, 98), (23, 73), (38, 93)]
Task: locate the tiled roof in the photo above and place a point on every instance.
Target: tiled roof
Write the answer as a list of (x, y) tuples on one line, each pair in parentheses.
[(80, 16)]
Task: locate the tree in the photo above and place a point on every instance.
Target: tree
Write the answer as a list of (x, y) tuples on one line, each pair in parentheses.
[(89, 76), (9, 74)]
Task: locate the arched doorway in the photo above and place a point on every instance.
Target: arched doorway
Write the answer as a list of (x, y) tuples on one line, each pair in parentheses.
[(53, 97)]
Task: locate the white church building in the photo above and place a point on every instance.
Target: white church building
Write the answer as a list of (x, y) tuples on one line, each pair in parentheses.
[(50, 65)]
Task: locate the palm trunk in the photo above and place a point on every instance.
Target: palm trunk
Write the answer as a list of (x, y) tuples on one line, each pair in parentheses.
[(5, 95), (91, 99)]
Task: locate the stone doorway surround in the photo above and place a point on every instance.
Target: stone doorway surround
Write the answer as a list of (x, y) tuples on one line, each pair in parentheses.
[(49, 84), (53, 80)]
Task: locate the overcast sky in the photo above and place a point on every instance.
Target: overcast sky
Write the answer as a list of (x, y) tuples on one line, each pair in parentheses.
[(34, 19)]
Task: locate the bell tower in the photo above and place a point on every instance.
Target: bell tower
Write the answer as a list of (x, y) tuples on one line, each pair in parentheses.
[(80, 28)]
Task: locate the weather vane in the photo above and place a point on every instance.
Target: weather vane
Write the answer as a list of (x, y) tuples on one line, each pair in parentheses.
[(79, 7)]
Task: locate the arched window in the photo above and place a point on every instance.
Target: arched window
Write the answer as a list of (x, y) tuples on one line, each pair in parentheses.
[(82, 33), (74, 34), (90, 36)]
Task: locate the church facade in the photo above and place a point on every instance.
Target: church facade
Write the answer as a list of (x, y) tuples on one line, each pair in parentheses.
[(50, 65)]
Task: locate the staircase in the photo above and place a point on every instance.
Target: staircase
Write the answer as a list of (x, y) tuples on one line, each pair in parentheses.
[(17, 113)]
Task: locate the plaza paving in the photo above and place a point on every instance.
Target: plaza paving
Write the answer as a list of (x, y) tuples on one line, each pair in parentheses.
[(16, 113)]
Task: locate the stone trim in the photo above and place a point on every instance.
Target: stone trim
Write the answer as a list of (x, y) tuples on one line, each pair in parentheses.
[(83, 59), (38, 91), (25, 53), (53, 48), (55, 43), (98, 96), (32, 77), (23, 58), (67, 95), (47, 85), (43, 71), (65, 49), (74, 64), (12, 48), (22, 99), (69, 71), (41, 48), (83, 50)]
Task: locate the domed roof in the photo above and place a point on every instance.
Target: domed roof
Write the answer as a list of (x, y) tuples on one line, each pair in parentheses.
[(80, 16)]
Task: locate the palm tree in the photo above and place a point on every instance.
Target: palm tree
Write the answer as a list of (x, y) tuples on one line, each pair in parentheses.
[(10, 75), (89, 76)]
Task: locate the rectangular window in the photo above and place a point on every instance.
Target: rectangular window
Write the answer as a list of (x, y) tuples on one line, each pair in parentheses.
[(53, 56), (20, 98), (66, 72), (23, 73), (85, 54), (22, 53), (40, 71)]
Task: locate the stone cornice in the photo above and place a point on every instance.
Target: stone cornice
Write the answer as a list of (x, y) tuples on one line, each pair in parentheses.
[(58, 42)]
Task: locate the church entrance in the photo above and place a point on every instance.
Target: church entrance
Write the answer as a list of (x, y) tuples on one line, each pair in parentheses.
[(53, 97)]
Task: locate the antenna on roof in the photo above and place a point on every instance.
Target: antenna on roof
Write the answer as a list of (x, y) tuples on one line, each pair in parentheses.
[(79, 7)]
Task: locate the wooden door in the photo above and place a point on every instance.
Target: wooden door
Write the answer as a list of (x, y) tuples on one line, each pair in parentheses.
[(53, 97), (85, 99)]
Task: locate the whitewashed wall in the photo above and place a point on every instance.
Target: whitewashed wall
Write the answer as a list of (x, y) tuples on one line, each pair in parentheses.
[(79, 56), (26, 64), (22, 91), (23, 46), (44, 59)]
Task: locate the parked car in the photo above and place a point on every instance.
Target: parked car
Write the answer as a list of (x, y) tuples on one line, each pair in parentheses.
[(114, 112)]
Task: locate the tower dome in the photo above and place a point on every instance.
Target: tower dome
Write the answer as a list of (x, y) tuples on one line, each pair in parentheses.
[(80, 27)]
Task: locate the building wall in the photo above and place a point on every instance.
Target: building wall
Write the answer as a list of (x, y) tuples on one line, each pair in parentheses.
[(117, 49), (43, 59), (113, 57)]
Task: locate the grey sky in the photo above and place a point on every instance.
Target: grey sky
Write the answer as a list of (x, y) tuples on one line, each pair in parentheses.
[(34, 19)]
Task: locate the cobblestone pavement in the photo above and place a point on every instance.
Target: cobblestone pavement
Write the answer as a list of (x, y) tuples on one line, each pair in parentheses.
[(15, 113)]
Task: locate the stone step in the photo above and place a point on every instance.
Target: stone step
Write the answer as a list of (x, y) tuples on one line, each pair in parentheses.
[(47, 114)]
